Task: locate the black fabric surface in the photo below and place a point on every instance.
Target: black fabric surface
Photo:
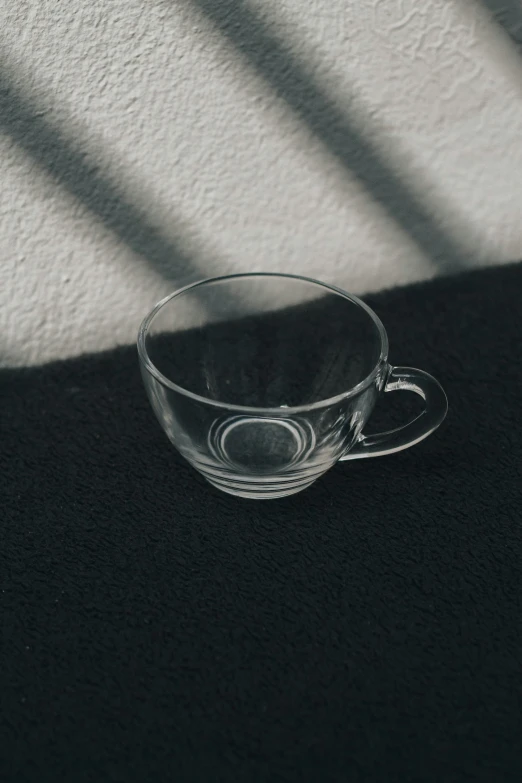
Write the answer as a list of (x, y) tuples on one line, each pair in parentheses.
[(368, 629)]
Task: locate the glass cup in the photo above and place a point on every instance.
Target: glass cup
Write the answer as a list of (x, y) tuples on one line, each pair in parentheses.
[(264, 381)]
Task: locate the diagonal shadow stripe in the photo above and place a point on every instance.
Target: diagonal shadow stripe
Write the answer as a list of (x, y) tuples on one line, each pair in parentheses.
[(66, 162), (295, 83), (508, 14)]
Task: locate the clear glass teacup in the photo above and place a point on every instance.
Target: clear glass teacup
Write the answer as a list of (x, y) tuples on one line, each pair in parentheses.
[(264, 381)]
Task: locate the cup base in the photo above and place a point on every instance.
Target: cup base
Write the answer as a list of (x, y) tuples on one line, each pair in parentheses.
[(258, 491)]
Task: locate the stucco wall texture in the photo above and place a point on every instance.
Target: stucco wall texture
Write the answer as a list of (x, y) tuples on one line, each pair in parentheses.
[(144, 145)]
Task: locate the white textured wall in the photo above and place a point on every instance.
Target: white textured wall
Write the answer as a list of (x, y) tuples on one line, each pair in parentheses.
[(144, 144)]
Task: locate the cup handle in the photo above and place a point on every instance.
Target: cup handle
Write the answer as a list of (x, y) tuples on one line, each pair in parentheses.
[(434, 413)]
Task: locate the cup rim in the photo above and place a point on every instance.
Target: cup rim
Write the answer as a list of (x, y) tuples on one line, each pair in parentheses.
[(354, 391)]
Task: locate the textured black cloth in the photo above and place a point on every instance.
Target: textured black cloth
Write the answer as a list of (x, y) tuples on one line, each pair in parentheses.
[(368, 629)]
